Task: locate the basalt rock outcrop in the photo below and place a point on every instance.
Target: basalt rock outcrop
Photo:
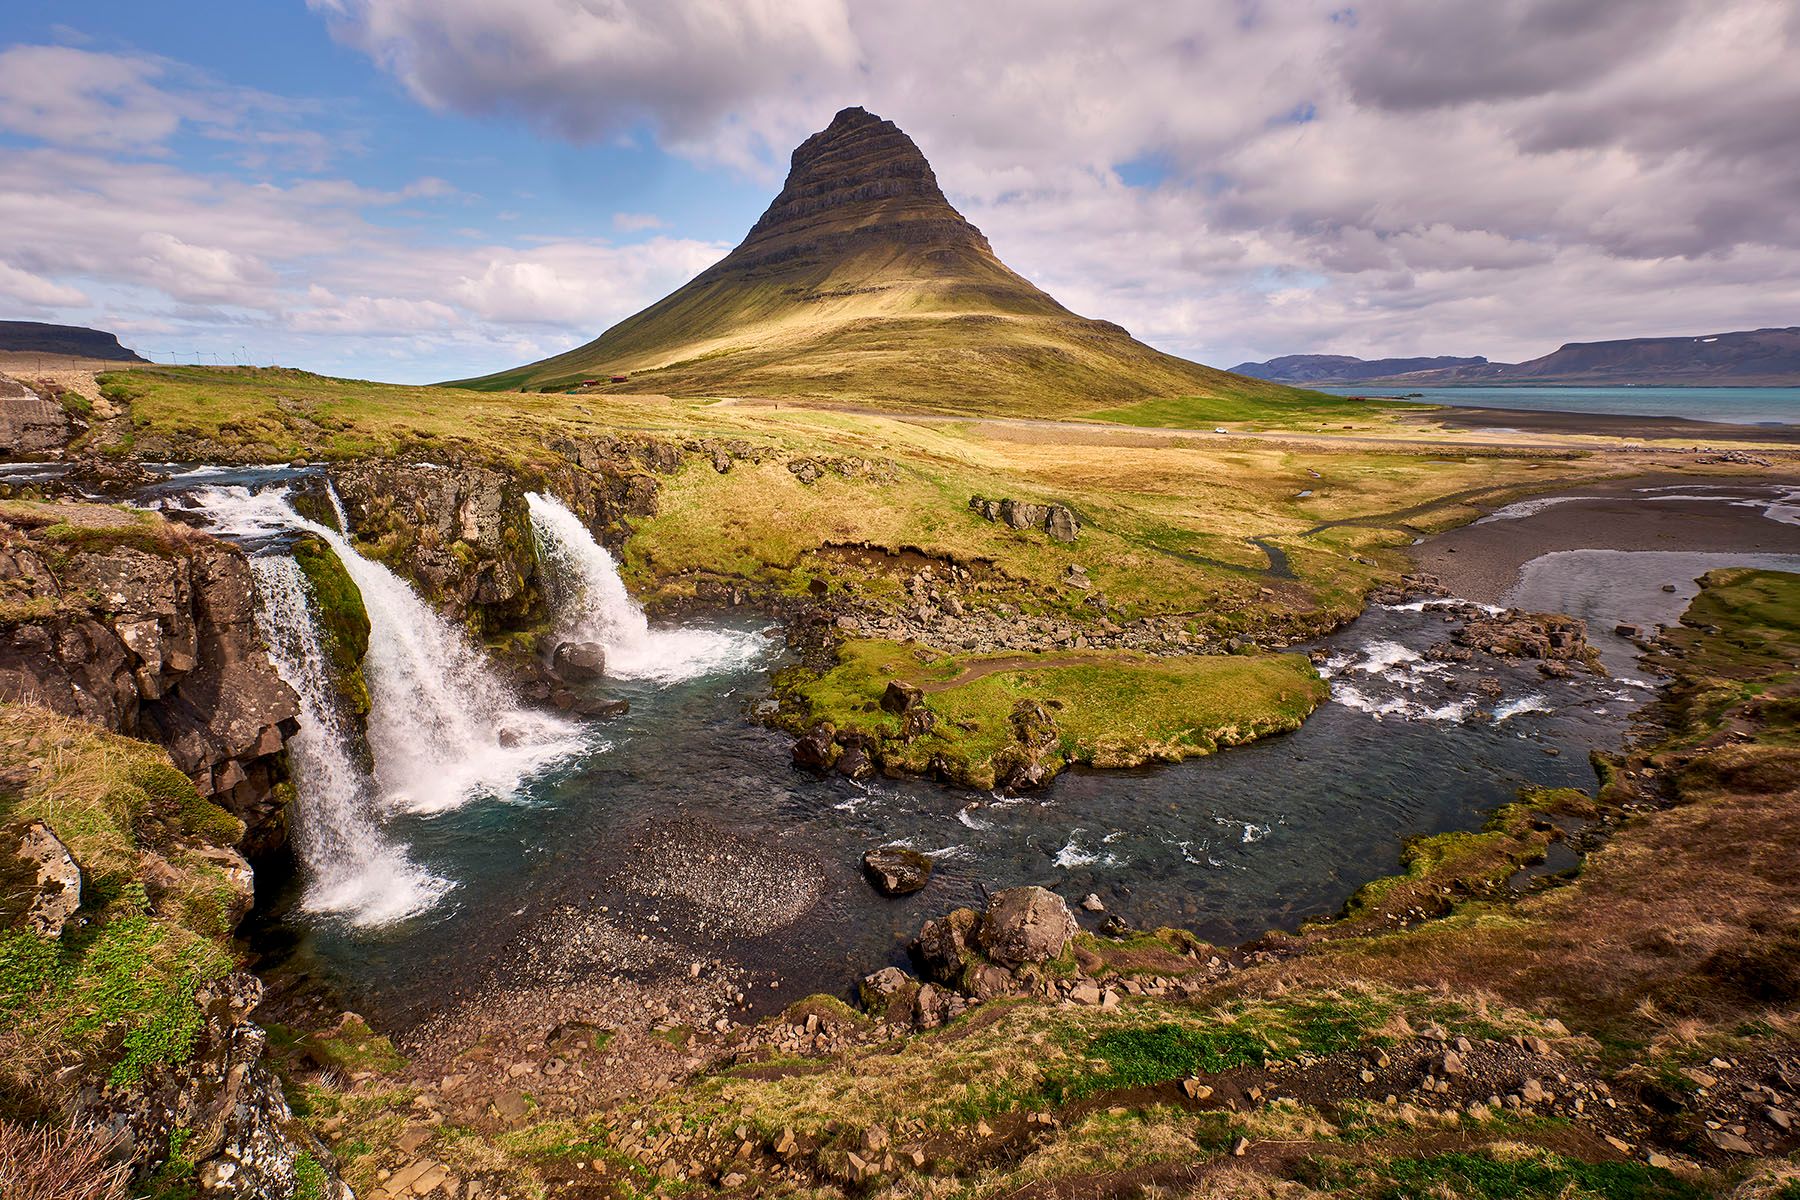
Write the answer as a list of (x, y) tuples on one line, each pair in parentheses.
[(459, 532), (30, 424), (1056, 520), (150, 631), (1557, 642)]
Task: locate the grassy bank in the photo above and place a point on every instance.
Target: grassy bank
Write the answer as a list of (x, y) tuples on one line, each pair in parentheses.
[(1104, 709), (115, 992)]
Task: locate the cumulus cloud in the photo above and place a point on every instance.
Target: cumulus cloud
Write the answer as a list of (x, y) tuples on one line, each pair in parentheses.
[(1397, 176)]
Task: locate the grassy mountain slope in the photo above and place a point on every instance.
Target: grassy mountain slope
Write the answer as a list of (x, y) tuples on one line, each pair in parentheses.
[(861, 283)]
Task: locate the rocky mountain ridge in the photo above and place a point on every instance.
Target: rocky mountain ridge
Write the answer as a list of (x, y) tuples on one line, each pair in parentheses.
[(1745, 358)]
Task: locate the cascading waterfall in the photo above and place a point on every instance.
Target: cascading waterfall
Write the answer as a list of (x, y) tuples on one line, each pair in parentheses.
[(353, 870), (443, 728), (592, 605)]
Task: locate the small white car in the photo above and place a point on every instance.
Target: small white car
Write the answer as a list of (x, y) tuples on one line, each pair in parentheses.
[(1221, 430)]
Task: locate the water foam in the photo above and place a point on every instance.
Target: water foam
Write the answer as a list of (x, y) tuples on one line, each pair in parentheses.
[(352, 869), (592, 605), (1524, 704), (443, 727)]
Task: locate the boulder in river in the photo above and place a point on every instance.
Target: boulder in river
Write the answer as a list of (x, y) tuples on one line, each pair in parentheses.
[(897, 870), (1025, 925), (578, 662)]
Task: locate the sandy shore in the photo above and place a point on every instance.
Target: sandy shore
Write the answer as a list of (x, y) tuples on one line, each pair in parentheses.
[(1481, 561)]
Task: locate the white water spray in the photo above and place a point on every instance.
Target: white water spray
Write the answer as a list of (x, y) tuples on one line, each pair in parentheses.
[(352, 870), (592, 605), (444, 730)]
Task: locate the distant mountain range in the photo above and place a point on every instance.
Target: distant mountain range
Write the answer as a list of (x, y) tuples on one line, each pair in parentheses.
[(35, 337), (1748, 358)]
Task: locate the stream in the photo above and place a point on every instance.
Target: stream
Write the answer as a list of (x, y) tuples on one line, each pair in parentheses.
[(486, 826)]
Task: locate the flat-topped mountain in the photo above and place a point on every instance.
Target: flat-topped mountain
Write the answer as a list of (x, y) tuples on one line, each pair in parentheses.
[(1748, 358), (861, 282), (35, 337)]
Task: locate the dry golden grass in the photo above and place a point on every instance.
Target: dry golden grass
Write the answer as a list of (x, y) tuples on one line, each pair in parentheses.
[(74, 1163)]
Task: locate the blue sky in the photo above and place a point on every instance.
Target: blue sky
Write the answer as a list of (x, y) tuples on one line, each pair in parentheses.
[(423, 189)]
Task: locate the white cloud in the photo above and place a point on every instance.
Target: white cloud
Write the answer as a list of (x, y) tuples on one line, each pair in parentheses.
[(627, 222), (22, 287), (1396, 176)]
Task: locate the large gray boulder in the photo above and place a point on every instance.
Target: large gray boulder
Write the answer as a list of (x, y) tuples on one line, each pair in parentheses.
[(897, 870), (578, 662), (1025, 925)]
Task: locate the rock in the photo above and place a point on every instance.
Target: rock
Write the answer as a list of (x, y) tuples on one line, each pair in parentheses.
[(853, 760), (164, 647), (888, 993), (942, 948), (1025, 925), (1533, 1092), (578, 662), (1193, 1089), (1035, 755), (901, 698), (897, 870), (602, 710), (985, 981), (1092, 903), (30, 424), (1729, 1142), (1055, 520), (56, 894), (818, 748), (1450, 1065)]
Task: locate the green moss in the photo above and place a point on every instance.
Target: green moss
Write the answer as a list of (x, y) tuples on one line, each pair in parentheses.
[(310, 1179), (1108, 708), (1516, 1176), (343, 621), (353, 1047)]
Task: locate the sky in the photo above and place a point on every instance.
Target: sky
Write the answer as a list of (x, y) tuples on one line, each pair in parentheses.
[(417, 190)]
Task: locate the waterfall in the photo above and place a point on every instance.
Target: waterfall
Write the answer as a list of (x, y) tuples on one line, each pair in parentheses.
[(443, 728), (352, 870), (592, 604)]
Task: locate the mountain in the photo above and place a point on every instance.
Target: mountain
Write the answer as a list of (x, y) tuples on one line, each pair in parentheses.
[(34, 337), (1341, 368), (1749, 358), (861, 282)]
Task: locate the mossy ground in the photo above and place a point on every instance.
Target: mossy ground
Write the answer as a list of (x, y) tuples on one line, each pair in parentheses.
[(1111, 708), (117, 988)]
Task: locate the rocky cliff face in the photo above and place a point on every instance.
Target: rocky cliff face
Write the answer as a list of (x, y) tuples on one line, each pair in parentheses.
[(30, 425), (144, 629), (859, 181)]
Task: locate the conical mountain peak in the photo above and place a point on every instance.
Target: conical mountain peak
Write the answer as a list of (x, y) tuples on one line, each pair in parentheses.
[(860, 174), (862, 283)]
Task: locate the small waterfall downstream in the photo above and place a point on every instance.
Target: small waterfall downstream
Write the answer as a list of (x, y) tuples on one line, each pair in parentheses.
[(354, 871), (443, 729), (592, 605)]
